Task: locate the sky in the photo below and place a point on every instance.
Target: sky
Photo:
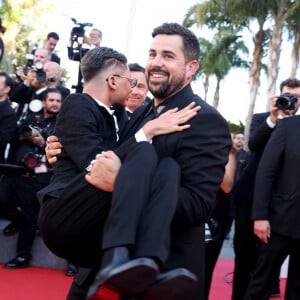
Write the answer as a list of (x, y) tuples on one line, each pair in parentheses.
[(127, 26)]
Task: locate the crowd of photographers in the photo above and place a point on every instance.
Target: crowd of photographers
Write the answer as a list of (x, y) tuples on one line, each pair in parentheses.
[(29, 104)]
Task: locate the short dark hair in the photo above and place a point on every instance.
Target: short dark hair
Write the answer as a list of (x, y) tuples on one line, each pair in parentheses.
[(48, 91), (191, 45), (8, 81), (53, 35), (135, 67), (290, 82), (100, 58)]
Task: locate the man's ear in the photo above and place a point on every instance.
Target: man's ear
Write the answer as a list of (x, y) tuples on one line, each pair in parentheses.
[(111, 82), (192, 68)]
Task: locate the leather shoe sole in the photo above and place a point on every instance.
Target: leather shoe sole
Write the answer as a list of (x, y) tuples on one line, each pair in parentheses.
[(130, 278), (177, 284)]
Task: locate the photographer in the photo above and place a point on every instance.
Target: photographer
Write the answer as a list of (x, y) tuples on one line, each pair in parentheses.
[(38, 79), (20, 188), (41, 55), (246, 244)]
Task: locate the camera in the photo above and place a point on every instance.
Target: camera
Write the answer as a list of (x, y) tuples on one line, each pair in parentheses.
[(286, 101), (28, 132), (40, 73), (75, 50), (32, 160)]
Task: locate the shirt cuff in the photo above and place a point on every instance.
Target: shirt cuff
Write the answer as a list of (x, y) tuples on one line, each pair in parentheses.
[(270, 123), (141, 137)]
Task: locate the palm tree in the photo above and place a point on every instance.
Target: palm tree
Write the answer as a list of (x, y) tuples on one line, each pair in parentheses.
[(293, 27), (281, 10), (237, 16), (221, 57)]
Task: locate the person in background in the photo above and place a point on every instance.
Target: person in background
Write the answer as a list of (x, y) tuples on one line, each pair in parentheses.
[(238, 141), (246, 244), (2, 31), (218, 221), (33, 87), (138, 94), (8, 118), (41, 55), (20, 188), (94, 39), (50, 44), (276, 208)]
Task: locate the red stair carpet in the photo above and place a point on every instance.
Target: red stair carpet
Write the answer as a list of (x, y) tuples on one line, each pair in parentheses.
[(47, 284)]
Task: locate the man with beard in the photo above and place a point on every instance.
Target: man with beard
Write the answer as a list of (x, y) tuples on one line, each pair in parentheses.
[(20, 189), (201, 153)]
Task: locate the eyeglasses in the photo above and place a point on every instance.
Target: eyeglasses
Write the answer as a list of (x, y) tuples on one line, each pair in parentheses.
[(132, 81)]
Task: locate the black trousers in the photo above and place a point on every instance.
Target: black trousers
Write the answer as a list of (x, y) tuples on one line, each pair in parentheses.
[(271, 257), (20, 191), (247, 250), (84, 221)]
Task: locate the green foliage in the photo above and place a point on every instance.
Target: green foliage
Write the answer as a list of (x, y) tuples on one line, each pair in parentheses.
[(22, 19), (236, 127)]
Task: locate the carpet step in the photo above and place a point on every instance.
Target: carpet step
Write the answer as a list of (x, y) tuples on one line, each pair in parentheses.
[(41, 255)]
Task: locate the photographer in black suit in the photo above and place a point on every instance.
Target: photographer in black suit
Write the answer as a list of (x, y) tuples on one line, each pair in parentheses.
[(276, 205), (246, 244), (19, 188)]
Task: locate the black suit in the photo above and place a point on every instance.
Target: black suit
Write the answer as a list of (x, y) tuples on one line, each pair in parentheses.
[(202, 153), (246, 245), (80, 215), (277, 199), (55, 58), (8, 126)]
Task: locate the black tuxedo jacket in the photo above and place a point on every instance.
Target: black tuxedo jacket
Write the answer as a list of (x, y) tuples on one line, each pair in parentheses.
[(260, 133), (277, 188), (202, 153), (83, 135)]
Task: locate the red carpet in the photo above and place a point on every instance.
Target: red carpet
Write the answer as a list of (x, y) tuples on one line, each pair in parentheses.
[(47, 284)]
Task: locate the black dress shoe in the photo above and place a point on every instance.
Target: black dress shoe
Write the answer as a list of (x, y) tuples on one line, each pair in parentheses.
[(177, 284), (71, 270), (125, 276), (17, 263), (11, 229)]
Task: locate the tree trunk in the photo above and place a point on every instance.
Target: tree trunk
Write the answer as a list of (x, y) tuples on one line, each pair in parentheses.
[(275, 46), (295, 53), (254, 81), (217, 95), (205, 85)]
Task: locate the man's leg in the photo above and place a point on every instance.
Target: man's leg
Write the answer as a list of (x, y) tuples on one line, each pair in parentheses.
[(132, 193), (246, 248), (292, 291), (270, 255), (72, 225)]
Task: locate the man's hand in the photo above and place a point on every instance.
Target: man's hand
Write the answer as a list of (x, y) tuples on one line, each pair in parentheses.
[(53, 148), (262, 230), (171, 121), (103, 171), (38, 140), (20, 73)]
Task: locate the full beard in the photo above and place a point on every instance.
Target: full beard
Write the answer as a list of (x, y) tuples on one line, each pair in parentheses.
[(165, 89)]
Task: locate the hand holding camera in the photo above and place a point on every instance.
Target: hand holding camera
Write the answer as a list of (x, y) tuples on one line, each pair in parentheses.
[(33, 135)]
